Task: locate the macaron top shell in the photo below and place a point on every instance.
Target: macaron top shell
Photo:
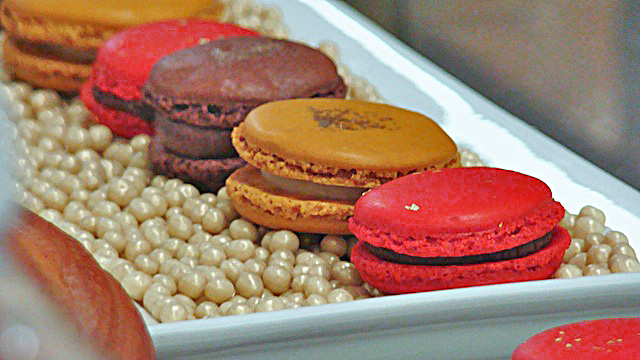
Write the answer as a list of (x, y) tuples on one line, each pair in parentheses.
[(456, 212), (111, 12), (452, 201), (129, 56), (348, 134), (597, 340), (243, 69)]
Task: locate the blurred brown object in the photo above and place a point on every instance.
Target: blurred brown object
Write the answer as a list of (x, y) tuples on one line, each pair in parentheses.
[(569, 68), (86, 294)]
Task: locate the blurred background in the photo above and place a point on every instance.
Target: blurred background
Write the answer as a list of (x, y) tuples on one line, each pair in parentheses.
[(569, 68)]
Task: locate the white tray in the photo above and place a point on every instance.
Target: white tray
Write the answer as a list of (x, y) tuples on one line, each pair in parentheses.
[(473, 323)]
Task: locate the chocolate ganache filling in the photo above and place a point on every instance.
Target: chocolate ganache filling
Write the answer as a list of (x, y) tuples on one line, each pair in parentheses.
[(56, 52), (513, 253), (309, 188), (134, 107)]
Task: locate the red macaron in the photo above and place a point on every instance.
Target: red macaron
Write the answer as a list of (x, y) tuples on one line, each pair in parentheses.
[(604, 339), (456, 228), (123, 64)]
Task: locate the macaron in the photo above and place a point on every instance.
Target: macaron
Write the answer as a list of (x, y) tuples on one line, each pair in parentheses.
[(124, 62), (457, 228), (603, 339), (311, 159), (199, 94), (52, 43)]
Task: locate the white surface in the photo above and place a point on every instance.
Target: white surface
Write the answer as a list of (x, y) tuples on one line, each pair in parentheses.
[(474, 323)]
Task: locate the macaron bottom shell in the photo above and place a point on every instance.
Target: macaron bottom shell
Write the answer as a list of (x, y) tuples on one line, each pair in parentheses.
[(44, 72), (208, 175), (395, 278), (264, 204), (121, 123)]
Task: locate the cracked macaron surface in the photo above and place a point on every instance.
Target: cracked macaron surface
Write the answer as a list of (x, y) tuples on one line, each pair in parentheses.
[(457, 227)]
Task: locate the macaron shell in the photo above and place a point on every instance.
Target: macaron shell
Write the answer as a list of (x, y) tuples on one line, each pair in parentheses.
[(126, 59), (456, 212), (264, 204), (603, 339), (114, 12), (43, 72), (121, 123), (243, 69), (208, 175), (31, 26), (395, 278)]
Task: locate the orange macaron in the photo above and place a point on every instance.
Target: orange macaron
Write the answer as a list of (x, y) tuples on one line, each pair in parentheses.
[(311, 159)]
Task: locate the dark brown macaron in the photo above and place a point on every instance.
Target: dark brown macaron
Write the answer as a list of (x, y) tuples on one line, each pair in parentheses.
[(199, 94), (205, 174)]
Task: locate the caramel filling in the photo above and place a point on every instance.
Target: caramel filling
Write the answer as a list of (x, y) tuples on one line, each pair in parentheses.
[(56, 52), (308, 188), (513, 253)]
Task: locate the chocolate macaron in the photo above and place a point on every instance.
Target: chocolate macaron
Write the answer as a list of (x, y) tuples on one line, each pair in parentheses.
[(201, 93), (311, 159), (457, 228), (113, 93)]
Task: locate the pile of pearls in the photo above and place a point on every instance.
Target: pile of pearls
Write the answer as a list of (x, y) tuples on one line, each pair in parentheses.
[(186, 255), (594, 250)]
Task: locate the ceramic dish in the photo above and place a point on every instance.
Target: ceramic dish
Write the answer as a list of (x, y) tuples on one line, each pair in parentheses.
[(473, 323)]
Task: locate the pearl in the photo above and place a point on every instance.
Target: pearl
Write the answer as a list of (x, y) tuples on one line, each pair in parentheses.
[(220, 240), (133, 249), (115, 239), (334, 244), (232, 268), (238, 309), (210, 272), (240, 249), (270, 304), (329, 258), (622, 263), (156, 235), (243, 229), (206, 309), (173, 312), (315, 299), (119, 152), (623, 249), (261, 253), (586, 225), (167, 282), (615, 237), (596, 269), (213, 256), (105, 208), (136, 284), (580, 260), (358, 292), (145, 264), (249, 284), (598, 254), (321, 270), (111, 168), (316, 285), (209, 199), (593, 212), (338, 296), (159, 255), (568, 271), (213, 221), (592, 240), (180, 226), (121, 192), (284, 240), (276, 278), (227, 209), (192, 284), (222, 193), (219, 290), (255, 266)]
